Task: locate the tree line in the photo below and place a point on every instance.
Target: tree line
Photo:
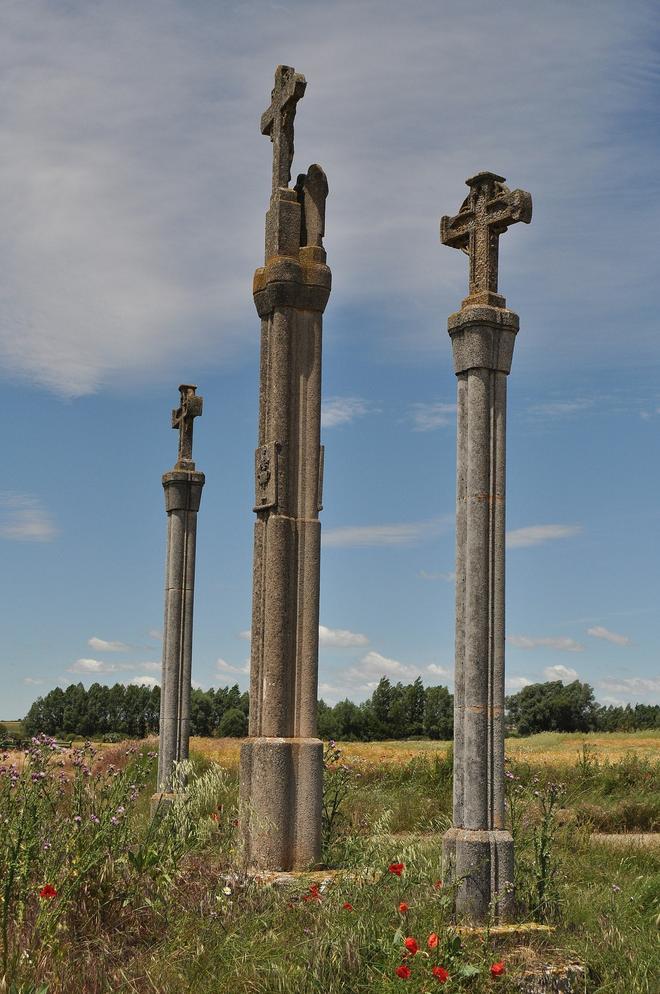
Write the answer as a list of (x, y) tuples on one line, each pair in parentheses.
[(394, 711)]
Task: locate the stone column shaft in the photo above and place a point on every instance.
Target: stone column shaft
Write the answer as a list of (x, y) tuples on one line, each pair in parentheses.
[(478, 849), (183, 491)]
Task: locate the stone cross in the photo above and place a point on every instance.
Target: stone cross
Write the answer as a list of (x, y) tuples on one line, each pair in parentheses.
[(183, 493), (281, 768), (182, 418), (486, 213), (477, 850), (277, 121)]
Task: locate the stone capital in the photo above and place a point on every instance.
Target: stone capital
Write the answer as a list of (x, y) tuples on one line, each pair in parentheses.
[(483, 337), (183, 490), (285, 282)]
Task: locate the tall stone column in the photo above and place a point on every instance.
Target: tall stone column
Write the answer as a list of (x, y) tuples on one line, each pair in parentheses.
[(183, 493), (477, 850), (281, 768)]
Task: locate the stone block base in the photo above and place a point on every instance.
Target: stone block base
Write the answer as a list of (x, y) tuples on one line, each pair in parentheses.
[(161, 802), (480, 865), (281, 794)]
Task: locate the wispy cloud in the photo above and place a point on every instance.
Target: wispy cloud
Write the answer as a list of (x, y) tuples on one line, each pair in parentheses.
[(539, 534), (155, 634), (222, 666), (562, 408), (144, 681), (24, 519), (598, 632), (100, 645), (32, 680), (342, 410), (340, 638), (448, 577), (373, 666), (561, 643), (428, 417), (515, 683), (408, 533), (564, 673), (92, 666), (633, 688), (435, 670)]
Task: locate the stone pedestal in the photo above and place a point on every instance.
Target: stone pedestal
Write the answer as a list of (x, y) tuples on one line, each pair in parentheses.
[(281, 766), (477, 850)]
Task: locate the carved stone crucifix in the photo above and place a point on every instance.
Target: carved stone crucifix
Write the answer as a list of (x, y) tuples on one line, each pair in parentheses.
[(486, 213), (182, 418), (277, 121)]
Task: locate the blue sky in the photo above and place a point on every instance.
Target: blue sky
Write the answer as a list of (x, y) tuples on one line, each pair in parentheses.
[(133, 187)]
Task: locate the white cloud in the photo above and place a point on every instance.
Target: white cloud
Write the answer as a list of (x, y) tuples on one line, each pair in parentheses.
[(82, 156), (222, 666), (32, 680), (562, 408), (447, 577), (340, 638), (92, 666), (561, 643), (342, 410), (374, 665), (144, 681), (100, 645), (357, 536), (517, 682), (155, 634), (246, 634), (24, 519), (150, 665), (539, 534), (633, 687), (598, 632), (559, 672), (428, 417), (437, 670)]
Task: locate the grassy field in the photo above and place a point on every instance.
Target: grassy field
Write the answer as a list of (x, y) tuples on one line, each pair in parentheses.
[(161, 911), (547, 749)]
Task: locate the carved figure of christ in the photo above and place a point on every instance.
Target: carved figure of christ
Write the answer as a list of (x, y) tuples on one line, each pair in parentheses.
[(487, 212), (277, 121), (182, 418)]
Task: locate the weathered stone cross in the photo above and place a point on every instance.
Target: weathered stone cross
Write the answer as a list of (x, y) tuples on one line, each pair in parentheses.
[(277, 121), (182, 418), (486, 213)]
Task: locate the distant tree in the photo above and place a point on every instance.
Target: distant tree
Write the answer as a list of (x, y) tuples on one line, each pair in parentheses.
[(553, 707), (233, 725), (438, 713)]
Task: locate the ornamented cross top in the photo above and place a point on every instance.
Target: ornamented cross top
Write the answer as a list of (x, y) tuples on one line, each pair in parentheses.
[(486, 213), (277, 121), (191, 408)]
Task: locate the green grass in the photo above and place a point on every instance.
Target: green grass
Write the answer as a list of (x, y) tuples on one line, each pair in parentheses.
[(182, 932)]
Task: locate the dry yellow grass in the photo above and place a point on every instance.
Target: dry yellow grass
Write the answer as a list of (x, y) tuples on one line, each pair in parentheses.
[(546, 749)]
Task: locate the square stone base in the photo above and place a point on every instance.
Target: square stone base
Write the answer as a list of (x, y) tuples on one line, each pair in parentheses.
[(281, 796), (480, 865)]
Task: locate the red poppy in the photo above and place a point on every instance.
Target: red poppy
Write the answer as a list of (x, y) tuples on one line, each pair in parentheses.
[(403, 971), (437, 885), (346, 906), (411, 945), (432, 941), (403, 907), (440, 974), (48, 892), (497, 969), (397, 868), (215, 817)]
